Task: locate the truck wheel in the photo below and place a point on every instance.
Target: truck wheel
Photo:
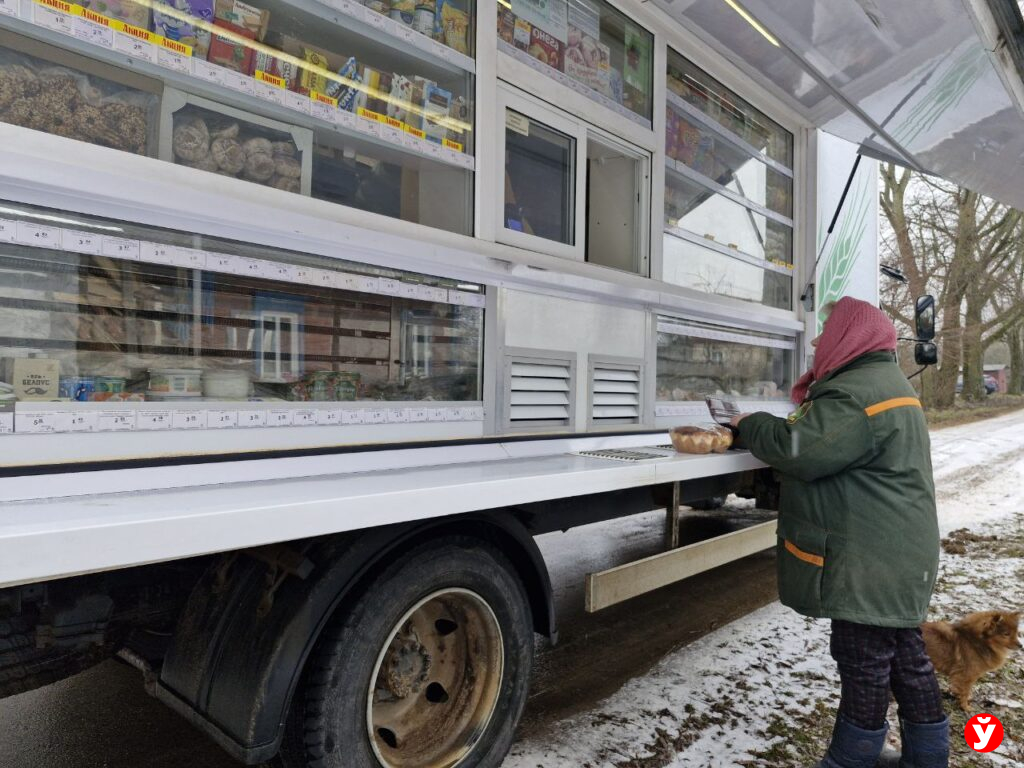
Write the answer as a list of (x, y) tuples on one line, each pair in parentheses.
[(428, 668)]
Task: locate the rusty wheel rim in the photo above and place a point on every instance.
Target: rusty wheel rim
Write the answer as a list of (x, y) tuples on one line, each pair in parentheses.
[(436, 682)]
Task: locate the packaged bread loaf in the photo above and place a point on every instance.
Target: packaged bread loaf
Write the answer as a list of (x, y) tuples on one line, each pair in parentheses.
[(707, 439)]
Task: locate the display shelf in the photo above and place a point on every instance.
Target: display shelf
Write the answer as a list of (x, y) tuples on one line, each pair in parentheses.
[(772, 266), (571, 83), (679, 104), (699, 409), (684, 172), (715, 334), (58, 238), (55, 417), (62, 24)]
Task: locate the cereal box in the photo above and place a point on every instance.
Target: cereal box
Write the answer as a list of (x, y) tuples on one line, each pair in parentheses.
[(546, 48)]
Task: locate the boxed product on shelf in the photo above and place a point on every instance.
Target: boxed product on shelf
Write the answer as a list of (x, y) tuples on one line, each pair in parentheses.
[(35, 378), (379, 6), (459, 110), (401, 98), (229, 52), (251, 18), (436, 103), (378, 89), (136, 14), (451, 26), (264, 61), (546, 48), (46, 89), (346, 91), (423, 18), (522, 34), (180, 26), (212, 137), (506, 25)]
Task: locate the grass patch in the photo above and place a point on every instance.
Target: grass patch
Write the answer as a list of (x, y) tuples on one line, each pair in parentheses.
[(965, 413)]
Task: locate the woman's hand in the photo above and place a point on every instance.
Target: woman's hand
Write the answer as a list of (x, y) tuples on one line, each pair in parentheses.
[(735, 422)]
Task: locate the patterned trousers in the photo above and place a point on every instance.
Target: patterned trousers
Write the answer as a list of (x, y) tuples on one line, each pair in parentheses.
[(876, 660)]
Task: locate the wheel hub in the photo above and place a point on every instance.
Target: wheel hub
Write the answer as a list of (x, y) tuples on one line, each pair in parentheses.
[(436, 683)]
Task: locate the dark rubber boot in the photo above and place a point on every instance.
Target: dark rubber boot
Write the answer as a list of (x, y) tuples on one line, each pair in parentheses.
[(925, 745), (853, 747)]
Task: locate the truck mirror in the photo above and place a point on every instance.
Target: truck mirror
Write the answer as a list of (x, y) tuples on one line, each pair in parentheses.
[(924, 318), (926, 353)]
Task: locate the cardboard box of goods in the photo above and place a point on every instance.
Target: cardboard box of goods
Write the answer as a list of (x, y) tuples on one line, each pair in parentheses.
[(36, 378)]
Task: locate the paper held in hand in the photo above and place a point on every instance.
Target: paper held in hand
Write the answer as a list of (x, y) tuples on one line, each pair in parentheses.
[(722, 411)]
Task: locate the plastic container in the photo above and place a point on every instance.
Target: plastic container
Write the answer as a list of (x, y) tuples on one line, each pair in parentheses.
[(226, 385), (109, 385), (704, 439), (174, 381), (77, 387)]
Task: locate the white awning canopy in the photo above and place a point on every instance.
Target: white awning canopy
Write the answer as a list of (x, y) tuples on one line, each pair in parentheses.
[(932, 84)]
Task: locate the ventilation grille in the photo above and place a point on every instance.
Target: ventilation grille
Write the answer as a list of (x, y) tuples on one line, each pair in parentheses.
[(540, 393), (615, 395)]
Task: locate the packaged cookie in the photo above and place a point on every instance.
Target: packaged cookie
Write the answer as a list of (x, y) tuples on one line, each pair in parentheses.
[(180, 26), (229, 53)]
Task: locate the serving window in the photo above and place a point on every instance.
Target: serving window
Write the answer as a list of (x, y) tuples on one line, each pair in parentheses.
[(728, 192), (96, 313), (376, 99), (696, 360)]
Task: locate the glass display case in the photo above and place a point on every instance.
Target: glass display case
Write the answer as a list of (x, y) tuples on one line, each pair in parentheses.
[(384, 90), (95, 312), (698, 359), (728, 192), (585, 44)]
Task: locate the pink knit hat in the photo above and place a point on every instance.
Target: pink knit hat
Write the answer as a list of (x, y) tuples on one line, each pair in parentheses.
[(853, 329)]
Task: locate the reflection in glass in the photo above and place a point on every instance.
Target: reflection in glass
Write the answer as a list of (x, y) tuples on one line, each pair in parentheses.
[(691, 265), (539, 174)]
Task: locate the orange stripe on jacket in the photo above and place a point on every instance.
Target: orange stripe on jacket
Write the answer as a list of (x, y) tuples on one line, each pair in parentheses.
[(888, 405), (807, 557)]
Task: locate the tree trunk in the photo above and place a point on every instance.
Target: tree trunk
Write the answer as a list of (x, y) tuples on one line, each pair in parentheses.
[(1014, 339), (973, 350)]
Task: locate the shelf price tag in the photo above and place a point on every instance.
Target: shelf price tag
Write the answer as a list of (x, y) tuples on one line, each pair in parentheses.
[(417, 414), (115, 421), (8, 230), (81, 242), (279, 418), (435, 414), (211, 73), (269, 87), (390, 287), (134, 41), (221, 419), (82, 421), (55, 15), (376, 416), (252, 418), (398, 415), (352, 417), (378, 20), (174, 55), (239, 82), (154, 420), (156, 253), (344, 6), (6, 422), (221, 262), (296, 101), (188, 420), (41, 422), (190, 258), (466, 299), (328, 418), (322, 105), (121, 248), (304, 418), (37, 235), (94, 28)]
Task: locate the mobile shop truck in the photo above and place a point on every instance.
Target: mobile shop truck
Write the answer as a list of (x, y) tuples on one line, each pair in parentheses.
[(313, 314)]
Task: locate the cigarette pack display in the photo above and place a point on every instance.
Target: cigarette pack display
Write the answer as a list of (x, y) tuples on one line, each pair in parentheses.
[(228, 51), (546, 48), (180, 25), (136, 14)]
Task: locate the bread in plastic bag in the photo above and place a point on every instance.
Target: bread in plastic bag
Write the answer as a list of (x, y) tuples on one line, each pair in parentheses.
[(712, 438)]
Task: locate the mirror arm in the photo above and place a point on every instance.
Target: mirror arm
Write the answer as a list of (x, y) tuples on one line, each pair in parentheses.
[(918, 371)]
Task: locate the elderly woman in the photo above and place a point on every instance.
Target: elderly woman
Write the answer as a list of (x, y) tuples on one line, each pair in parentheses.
[(858, 535)]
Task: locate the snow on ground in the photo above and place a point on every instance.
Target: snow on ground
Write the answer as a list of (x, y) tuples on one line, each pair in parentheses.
[(762, 691)]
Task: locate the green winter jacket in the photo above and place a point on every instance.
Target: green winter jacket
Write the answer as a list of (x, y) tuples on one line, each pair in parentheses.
[(858, 534)]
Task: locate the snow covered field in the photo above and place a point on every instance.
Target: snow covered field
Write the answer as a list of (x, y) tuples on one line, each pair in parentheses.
[(762, 690)]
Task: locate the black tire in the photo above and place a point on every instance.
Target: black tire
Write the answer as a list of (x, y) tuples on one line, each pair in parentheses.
[(328, 724)]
